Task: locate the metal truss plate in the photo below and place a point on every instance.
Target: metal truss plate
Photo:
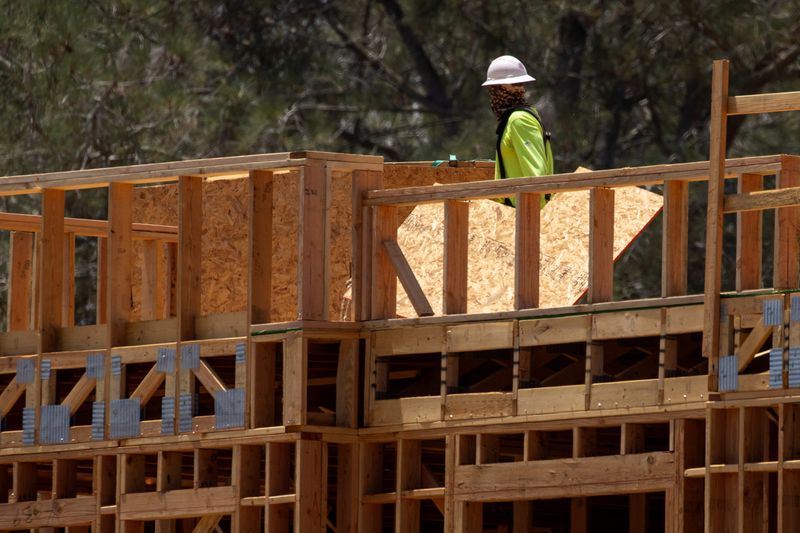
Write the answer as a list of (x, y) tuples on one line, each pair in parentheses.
[(728, 373), (776, 368), (229, 408), (773, 312), (168, 415), (165, 360), (98, 420), (95, 365), (241, 353), (190, 356), (794, 367), (116, 365), (28, 426), (795, 314), (26, 369), (54, 426), (125, 418), (45, 370), (185, 411)]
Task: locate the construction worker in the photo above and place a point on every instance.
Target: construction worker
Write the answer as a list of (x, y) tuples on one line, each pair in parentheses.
[(523, 143)]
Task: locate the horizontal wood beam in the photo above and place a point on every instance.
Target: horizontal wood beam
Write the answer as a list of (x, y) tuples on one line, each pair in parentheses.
[(148, 173), (566, 478), (759, 200), (763, 103), (177, 503), (620, 177), (87, 227), (47, 513)]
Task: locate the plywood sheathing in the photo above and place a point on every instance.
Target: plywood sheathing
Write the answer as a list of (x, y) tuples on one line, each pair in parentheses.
[(564, 248), (224, 266)]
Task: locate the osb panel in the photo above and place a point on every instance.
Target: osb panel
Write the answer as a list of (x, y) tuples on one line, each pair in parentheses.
[(224, 242), (564, 254), (224, 257)]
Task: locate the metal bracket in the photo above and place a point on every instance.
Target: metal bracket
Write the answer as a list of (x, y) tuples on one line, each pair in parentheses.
[(98, 420), (728, 373), (54, 426), (229, 408), (95, 365), (168, 415), (773, 312), (241, 353), (125, 418), (776, 368), (26, 369), (165, 360), (190, 356)]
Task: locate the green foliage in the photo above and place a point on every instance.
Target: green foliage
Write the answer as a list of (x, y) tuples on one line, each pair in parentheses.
[(118, 82), (90, 84)]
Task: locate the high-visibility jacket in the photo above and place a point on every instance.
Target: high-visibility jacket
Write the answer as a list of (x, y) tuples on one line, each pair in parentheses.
[(523, 147)]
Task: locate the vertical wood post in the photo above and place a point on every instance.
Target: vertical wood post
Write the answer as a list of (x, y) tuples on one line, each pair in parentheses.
[(155, 281), (456, 248), (260, 246), (105, 489), (674, 268), (295, 372), (190, 253), (384, 278), (787, 232), (102, 279), (245, 478), (190, 216), (260, 364), (469, 517), (347, 384), (308, 509), (675, 242), (347, 488), (363, 252), (119, 260), (118, 276), (51, 269), (369, 482), (68, 300), (21, 276), (601, 245), (716, 179), (313, 242), (276, 517), (409, 476), (526, 267), (748, 237)]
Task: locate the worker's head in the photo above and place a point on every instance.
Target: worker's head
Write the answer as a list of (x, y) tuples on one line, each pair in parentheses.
[(504, 80), (507, 70)]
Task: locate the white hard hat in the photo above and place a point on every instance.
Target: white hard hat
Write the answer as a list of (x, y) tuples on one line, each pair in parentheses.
[(507, 69)]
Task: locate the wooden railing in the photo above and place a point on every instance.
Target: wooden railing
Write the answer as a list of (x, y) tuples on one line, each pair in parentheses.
[(519, 330), (388, 263), (748, 203)]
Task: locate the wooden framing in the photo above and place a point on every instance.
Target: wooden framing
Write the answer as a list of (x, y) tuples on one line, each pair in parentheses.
[(465, 421)]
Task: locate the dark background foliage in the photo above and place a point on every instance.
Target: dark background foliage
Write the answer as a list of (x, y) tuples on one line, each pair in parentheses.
[(93, 83)]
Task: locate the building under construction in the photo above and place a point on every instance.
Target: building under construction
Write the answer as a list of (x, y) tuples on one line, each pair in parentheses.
[(316, 341)]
